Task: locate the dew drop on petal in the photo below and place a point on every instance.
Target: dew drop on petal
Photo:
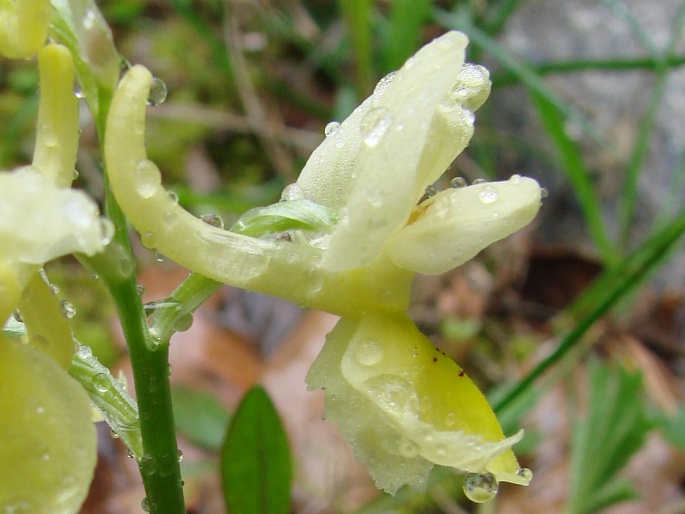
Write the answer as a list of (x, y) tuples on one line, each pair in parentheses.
[(515, 179), (331, 128), (106, 230), (381, 87), (479, 181), (292, 192), (374, 125), (458, 182), (144, 505), (408, 448), (544, 193), (480, 488), (173, 197), (180, 456), (431, 191), (393, 394), (525, 473), (158, 92), (159, 257), (148, 178), (213, 219), (141, 289), (183, 322), (369, 352), (488, 194), (74, 174)]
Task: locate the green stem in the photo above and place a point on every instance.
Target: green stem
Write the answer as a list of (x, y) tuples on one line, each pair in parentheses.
[(506, 78), (159, 465)]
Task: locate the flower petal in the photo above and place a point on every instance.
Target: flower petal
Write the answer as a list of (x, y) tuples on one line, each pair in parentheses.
[(456, 224), (375, 168), (404, 406), (48, 446), (39, 222), (23, 27)]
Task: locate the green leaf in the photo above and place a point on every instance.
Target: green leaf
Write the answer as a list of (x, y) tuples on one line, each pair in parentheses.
[(256, 471), (299, 214), (613, 430), (200, 417), (673, 428)]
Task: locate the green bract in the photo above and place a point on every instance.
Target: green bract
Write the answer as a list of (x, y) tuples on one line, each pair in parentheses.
[(403, 406)]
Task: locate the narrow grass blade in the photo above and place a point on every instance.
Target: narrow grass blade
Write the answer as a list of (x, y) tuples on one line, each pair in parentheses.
[(605, 292), (578, 175), (403, 37), (256, 471), (613, 430), (357, 15)]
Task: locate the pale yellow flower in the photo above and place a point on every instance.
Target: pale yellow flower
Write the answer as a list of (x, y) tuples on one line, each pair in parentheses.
[(403, 405)]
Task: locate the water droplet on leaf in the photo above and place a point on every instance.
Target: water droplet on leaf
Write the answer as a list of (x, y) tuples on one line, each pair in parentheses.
[(68, 310), (147, 177), (101, 382)]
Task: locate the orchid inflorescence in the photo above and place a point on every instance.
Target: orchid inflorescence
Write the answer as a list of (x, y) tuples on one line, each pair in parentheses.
[(357, 233)]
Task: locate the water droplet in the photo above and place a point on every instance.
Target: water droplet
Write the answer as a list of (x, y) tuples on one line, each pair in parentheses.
[(106, 230), (113, 434), (68, 310), (183, 322), (75, 174), (543, 192), (169, 218), (144, 505), (525, 474), (89, 19), (78, 92), (374, 125), (84, 352), (149, 239), (158, 92), (458, 182), (431, 191), (479, 181), (488, 194), (53, 288), (101, 382), (480, 488), (141, 289), (17, 317), (369, 352), (148, 178), (292, 192), (124, 65), (94, 276), (172, 196), (393, 394), (170, 370), (331, 128), (381, 87), (180, 456), (408, 448), (515, 179), (130, 454), (159, 257), (148, 465), (213, 219)]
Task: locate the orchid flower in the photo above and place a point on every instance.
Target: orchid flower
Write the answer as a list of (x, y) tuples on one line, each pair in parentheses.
[(402, 404), (47, 439)]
